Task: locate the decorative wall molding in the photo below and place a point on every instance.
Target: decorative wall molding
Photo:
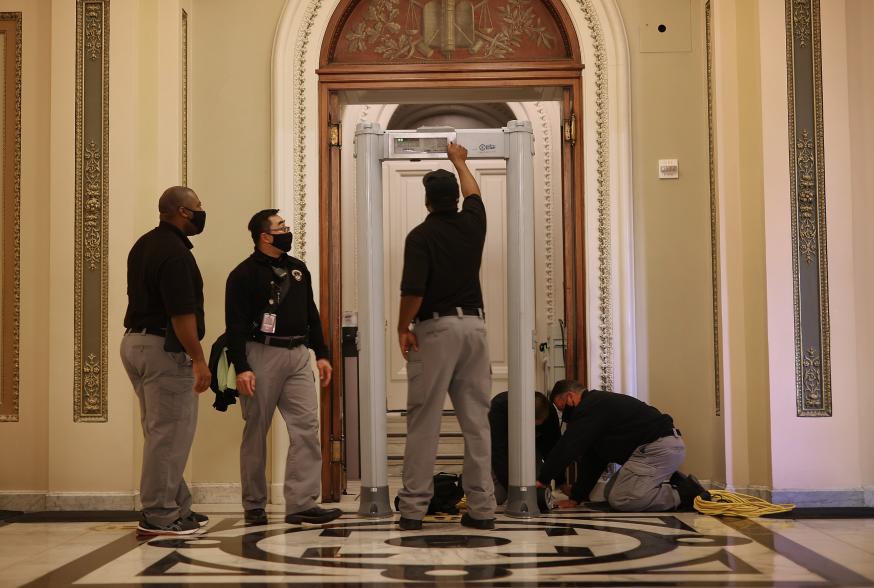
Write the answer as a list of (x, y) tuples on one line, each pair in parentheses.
[(10, 32), (714, 209), (184, 51), (807, 187), (598, 66), (91, 219), (300, 123), (548, 209)]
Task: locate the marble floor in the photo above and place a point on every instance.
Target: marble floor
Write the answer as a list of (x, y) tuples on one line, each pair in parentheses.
[(564, 548)]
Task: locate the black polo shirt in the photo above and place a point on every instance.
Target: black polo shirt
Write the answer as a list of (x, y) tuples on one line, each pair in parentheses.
[(604, 428), (442, 258), (246, 297), (163, 280)]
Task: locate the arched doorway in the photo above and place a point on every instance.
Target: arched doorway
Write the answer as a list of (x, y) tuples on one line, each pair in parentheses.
[(603, 137), (379, 50)]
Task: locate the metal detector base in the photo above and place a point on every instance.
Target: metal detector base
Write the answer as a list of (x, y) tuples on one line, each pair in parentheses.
[(522, 502), (374, 503)]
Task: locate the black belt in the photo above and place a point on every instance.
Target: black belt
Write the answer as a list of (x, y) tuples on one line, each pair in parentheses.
[(457, 311), (146, 331), (284, 342)]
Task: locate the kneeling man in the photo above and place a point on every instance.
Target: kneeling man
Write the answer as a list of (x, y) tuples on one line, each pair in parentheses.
[(605, 427)]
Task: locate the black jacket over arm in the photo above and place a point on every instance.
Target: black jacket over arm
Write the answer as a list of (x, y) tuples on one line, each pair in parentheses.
[(246, 297), (604, 428)]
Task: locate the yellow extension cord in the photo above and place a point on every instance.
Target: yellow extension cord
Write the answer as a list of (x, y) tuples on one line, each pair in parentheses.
[(722, 502), (735, 504)]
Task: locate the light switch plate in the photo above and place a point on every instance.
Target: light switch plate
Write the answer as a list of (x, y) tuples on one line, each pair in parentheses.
[(669, 169)]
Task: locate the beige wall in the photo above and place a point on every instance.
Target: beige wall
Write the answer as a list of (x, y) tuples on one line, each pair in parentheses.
[(674, 278), (230, 154), (860, 47), (744, 360), (232, 44), (25, 443)]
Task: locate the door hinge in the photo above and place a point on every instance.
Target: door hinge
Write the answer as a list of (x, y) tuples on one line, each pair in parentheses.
[(570, 129), (335, 132), (336, 450)]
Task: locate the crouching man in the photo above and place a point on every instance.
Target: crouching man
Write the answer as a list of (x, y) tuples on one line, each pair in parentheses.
[(605, 427)]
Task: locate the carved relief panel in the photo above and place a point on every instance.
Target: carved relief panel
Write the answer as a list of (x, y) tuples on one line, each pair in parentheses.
[(403, 31)]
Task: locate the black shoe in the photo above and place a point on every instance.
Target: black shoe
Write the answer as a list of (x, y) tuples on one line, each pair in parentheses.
[(200, 519), (315, 515), (409, 524), (178, 527), (255, 516), (482, 524), (689, 488)]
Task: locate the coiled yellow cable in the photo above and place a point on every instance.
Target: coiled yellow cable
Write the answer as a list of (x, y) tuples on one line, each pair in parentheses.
[(735, 504)]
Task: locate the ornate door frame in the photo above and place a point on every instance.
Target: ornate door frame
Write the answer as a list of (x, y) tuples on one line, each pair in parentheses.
[(604, 141), (337, 79)]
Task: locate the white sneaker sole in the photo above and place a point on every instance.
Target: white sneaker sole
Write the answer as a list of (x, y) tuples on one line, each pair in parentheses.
[(155, 532)]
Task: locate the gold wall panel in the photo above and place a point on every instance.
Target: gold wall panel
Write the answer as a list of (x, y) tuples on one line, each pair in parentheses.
[(10, 297), (807, 184), (92, 199)]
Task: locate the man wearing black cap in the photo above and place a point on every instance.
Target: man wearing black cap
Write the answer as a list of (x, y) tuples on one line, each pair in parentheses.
[(447, 350)]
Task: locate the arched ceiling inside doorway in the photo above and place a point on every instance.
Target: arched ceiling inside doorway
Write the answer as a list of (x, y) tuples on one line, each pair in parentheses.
[(457, 116)]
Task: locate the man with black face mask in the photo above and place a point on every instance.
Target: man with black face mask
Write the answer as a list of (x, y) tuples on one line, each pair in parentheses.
[(162, 355), (606, 427), (271, 321)]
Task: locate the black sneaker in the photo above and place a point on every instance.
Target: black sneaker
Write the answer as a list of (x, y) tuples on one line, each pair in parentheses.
[(409, 524), (689, 488), (200, 519), (255, 516), (178, 527), (315, 515), (482, 524)]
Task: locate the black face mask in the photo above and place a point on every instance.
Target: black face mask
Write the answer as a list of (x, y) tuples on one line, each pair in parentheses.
[(567, 413), (283, 241), (198, 219)]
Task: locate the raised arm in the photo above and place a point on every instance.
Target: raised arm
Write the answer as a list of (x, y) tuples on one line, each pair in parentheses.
[(458, 156)]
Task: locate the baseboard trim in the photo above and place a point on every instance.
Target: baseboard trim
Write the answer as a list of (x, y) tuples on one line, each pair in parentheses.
[(855, 497), (22, 500), (92, 501), (225, 493), (35, 501), (821, 498)]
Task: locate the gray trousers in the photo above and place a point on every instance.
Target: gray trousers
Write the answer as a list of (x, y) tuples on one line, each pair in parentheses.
[(168, 412), (641, 484), (453, 357), (283, 379)]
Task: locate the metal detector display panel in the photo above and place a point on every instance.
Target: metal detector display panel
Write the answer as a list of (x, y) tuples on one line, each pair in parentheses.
[(420, 145)]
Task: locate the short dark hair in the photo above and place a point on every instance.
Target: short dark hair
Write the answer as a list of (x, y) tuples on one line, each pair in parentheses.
[(172, 198), (260, 223), (563, 386), (441, 190), (541, 407)]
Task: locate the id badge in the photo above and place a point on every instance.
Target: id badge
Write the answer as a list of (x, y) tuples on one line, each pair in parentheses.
[(268, 323)]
